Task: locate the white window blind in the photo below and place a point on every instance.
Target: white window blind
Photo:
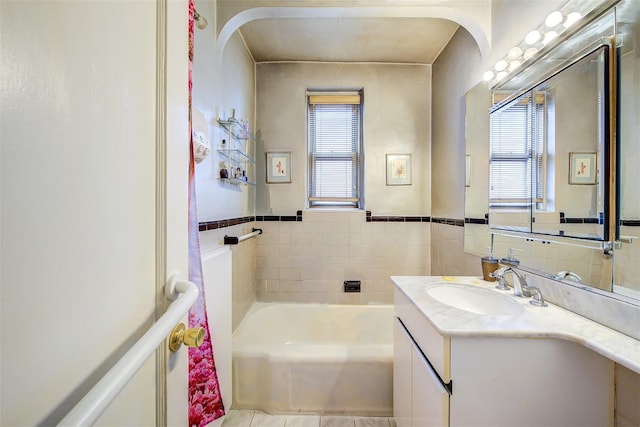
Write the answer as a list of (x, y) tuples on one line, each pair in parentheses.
[(334, 146), (517, 153)]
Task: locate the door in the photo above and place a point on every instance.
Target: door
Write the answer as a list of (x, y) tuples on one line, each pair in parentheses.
[(89, 229)]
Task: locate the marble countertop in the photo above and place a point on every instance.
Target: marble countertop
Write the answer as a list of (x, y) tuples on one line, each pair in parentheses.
[(534, 322)]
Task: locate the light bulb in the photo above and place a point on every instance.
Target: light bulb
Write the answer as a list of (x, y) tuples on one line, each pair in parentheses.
[(553, 19), (572, 18), (515, 52), (200, 22), (548, 37), (530, 52), (501, 65), (532, 37), (488, 75)]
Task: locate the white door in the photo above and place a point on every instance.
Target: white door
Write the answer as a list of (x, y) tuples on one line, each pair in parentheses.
[(84, 247)]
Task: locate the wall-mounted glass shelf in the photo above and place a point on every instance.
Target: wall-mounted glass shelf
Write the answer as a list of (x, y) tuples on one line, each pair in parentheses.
[(236, 155), (236, 128), (237, 181)]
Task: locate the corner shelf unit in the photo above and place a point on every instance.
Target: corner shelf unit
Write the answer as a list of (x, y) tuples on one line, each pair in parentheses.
[(235, 155)]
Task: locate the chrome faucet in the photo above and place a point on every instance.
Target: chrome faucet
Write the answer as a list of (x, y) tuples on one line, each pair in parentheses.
[(520, 286), (566, 274)]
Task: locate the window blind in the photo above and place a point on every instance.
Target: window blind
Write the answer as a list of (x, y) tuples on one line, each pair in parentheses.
[(334, 146), (517, 153)]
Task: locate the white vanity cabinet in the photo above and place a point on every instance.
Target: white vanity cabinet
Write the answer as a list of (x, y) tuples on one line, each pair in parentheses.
[(419, 397), (494, 380)]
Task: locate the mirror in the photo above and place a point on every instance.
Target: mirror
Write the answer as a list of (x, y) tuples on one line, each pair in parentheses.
[(548, 152), (548, 251)]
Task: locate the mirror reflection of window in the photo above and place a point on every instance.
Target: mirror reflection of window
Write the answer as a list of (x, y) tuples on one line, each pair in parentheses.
[(517, 151)]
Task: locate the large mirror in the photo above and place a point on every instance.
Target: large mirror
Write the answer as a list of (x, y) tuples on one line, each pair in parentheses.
[(548, 152), (607, 262)]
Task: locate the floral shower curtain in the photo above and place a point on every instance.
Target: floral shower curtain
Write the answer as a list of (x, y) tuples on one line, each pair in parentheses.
[(205, 401)]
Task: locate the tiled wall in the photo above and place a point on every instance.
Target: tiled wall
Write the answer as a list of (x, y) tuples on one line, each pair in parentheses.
[(308, 260), (448, 256)]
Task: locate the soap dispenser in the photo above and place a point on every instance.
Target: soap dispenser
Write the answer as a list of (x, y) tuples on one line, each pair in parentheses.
[(510, 259), (489, 265)]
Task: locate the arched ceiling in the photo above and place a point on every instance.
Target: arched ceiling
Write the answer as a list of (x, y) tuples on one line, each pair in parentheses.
[(393, 40), (356, 32)]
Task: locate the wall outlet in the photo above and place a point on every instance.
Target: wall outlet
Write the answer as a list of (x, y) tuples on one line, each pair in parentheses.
[(352, 285)]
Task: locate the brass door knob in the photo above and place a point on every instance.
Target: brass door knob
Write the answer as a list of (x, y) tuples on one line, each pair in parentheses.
[(192, 337)]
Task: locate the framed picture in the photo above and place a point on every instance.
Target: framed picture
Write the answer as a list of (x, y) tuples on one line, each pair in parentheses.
[(398, 169), (582, 168), (278, 167)]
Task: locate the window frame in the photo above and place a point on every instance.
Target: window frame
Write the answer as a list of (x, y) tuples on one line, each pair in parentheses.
[(316, 101)]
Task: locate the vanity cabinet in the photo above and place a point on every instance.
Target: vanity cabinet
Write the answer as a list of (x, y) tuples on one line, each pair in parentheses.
[(475, 380), (419, 397)]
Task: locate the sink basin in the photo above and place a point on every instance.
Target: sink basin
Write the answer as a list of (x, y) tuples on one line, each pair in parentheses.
[(476, 300)]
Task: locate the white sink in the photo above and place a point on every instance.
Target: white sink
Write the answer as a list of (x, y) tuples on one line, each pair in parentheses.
[(475, 300)]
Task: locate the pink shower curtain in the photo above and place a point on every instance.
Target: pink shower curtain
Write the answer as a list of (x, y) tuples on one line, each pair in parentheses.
[(205, 401)]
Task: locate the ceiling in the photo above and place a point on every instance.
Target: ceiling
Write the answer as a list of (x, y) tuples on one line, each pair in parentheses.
[(390, 40)]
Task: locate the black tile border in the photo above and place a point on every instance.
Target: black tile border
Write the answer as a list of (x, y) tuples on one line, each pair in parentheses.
[(214, 225), (396, 218), (476, 221), (568, 220), (630, 222), (223, 223), (449, 221)]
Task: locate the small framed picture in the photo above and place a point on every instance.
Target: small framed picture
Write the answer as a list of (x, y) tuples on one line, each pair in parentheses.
[(398, 169), (583, 169), (278, 167)]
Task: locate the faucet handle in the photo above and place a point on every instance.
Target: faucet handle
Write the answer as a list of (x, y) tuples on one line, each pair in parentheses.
[(499, 276), (536, 297)]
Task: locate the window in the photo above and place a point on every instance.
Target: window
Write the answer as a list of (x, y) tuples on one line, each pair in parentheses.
[(517, 153), (334, 132)]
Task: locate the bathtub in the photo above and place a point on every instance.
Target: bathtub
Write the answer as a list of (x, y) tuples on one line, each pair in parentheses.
[(314, 358)]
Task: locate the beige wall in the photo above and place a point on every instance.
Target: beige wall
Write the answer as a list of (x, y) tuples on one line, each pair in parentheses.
[(455, 72), (220, 84), (397, 119)]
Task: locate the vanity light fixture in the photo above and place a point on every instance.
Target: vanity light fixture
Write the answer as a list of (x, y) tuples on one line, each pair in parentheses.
[(549, 37), (501, 75), (554, 19), (488, 76), (532, 37), (515, 52), (535, 40), (572, 18), (529, 53)]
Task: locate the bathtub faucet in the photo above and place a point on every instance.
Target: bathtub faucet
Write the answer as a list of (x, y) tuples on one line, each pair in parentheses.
[(520, 286)]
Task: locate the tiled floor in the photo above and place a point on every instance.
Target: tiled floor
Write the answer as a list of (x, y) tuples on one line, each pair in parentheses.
[(246, 418)]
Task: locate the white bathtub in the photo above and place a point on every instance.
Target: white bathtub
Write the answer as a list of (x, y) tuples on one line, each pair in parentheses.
[(314, 358)]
